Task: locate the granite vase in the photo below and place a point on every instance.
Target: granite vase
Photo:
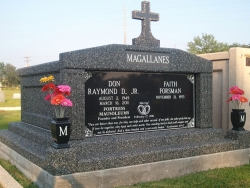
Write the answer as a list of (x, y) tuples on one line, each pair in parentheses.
[(238, 119), (60, 130)]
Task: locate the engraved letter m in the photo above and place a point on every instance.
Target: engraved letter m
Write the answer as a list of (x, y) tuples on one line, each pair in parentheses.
[(63, 132), (242, 118)]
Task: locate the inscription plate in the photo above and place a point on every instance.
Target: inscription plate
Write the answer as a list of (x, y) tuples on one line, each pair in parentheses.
[(126, 102)]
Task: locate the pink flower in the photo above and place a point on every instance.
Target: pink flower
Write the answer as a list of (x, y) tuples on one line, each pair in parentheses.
[(236, 90), (66, 102), (236, 97), (64, 88), (233, 88), (56, 95)]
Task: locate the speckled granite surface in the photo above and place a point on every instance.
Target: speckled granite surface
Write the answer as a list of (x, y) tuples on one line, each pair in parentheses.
[(88, 154), (72, 69), (242, 136), (96, 153), (113, 57), (146, 37)]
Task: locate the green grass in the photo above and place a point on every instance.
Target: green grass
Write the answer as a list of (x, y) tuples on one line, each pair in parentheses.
[(9, 102), (17, 175), (219, 178), (9, 116), (6, 117)]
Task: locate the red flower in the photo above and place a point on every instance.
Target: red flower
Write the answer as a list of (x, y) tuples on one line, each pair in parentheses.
[(67, 93), (48, 97), (49, 86), (56, 100), (57, 91), (230, 99), (236, 90), (243, 99)]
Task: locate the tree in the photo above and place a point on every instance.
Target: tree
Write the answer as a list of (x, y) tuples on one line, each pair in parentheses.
[(10, 75), (206, 44), (235, 44), (2, 71)]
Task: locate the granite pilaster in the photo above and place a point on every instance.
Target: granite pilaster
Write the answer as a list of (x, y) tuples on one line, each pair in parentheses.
[(204, 100), (76, 78)]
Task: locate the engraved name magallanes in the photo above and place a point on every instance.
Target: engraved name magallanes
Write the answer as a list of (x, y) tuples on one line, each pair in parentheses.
[(143, 58)]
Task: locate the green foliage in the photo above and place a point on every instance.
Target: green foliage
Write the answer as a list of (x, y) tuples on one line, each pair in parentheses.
[(206, 44), (11, 78), (2, 71), (17, 175), (240, 45), (8, 75)]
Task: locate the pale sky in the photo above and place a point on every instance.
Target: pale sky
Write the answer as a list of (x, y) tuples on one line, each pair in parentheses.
[(42, 29)]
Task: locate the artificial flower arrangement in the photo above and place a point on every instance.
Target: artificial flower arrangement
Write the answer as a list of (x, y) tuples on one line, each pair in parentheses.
[(57, 95), (237, 96)]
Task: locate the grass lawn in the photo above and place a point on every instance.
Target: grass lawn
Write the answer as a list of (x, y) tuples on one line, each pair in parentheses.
[(219, 178), (9, 116), (9, 102)]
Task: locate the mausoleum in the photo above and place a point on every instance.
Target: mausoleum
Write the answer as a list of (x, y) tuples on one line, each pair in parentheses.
[(140, 113)]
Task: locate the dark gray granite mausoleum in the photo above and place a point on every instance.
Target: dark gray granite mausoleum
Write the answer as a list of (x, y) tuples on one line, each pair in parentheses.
[(118, 159)]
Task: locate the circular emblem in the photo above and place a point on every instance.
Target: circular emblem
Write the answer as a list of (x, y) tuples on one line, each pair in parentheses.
[(143, 109)]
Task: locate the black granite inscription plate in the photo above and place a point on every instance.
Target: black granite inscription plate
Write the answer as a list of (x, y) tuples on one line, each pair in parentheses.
[(146, 58), (125, 102)]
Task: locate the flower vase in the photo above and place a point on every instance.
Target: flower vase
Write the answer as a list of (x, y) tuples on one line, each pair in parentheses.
[(60, 130), (238, 119)]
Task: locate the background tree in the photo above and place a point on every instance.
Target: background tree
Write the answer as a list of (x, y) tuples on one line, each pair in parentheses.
[(8, 75), (2, 72), (206, 44), (235, 44)]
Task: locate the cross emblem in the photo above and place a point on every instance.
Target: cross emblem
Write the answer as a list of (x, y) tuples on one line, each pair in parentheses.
[(146, 38)]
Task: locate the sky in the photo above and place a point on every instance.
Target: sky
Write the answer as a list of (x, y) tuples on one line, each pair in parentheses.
[(42, 29)]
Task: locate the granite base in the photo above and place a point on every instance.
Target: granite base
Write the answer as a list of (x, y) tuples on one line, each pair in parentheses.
[(128, 175), (100, 155)]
